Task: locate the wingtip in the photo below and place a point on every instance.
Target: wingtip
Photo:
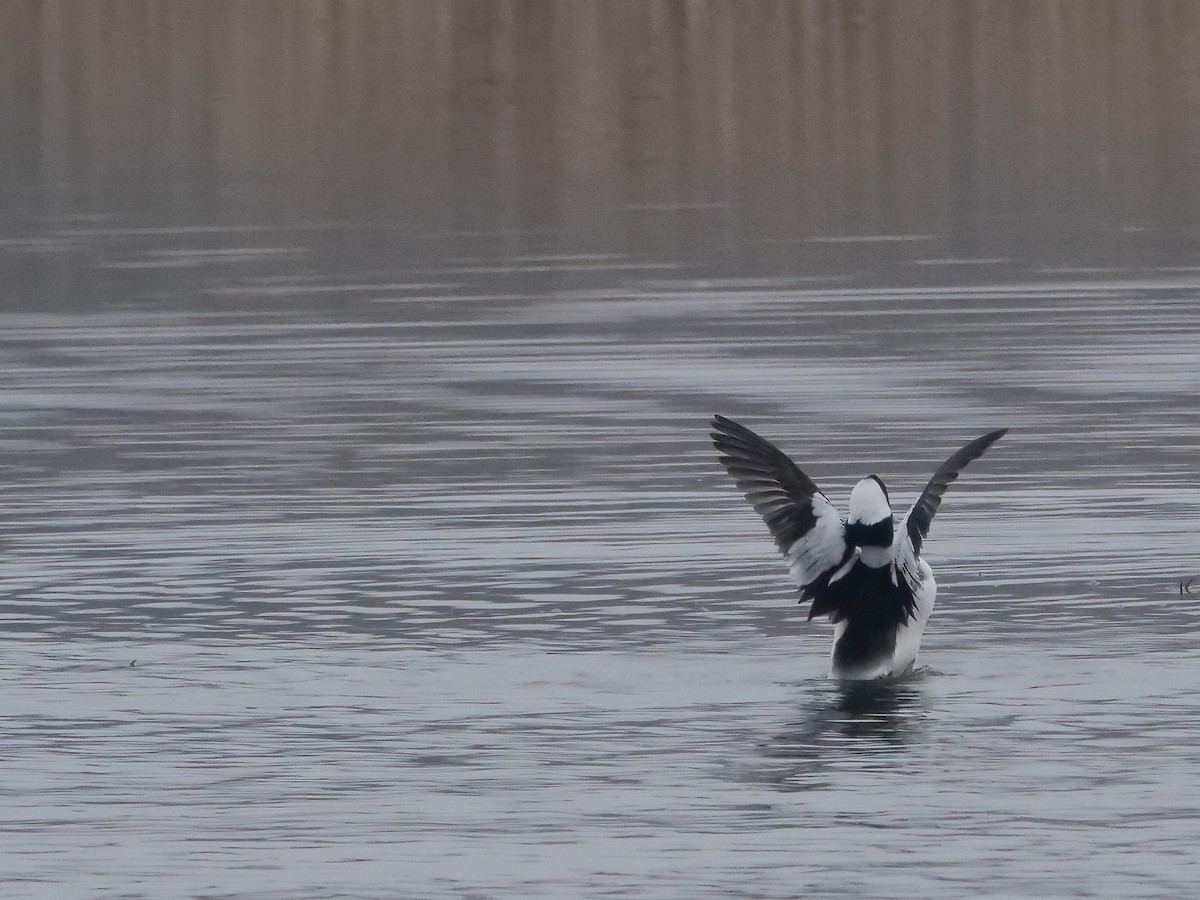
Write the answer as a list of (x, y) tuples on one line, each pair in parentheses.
[(715, 433), (722, 427), (986, 440)]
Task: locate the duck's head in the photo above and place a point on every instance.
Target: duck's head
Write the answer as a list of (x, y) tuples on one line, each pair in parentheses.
[(871, 522)]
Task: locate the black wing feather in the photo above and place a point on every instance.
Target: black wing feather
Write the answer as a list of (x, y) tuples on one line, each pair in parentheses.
[(774, 485), (921, 515)]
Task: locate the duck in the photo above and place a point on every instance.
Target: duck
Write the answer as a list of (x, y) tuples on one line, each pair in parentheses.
[(863, 573)]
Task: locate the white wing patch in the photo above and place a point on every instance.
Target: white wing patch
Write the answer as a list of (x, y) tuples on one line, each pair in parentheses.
[(819, 549), (906, 561)]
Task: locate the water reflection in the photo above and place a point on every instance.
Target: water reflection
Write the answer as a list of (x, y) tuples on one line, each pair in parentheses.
[(929, 140), (867, 726)]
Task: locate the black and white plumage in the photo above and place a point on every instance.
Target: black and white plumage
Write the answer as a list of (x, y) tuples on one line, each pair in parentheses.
[(863, 572)]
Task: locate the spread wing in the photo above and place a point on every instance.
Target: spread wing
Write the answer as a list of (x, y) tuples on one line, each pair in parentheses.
[(806, 527), (906, 548)]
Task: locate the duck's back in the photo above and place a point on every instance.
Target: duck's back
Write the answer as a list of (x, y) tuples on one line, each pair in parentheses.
[(878, 620)]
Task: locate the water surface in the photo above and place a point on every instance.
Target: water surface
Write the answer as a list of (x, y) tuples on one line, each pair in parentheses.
[(355, 546)]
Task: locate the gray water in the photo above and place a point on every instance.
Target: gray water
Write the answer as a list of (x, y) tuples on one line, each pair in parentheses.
[(375, 554)]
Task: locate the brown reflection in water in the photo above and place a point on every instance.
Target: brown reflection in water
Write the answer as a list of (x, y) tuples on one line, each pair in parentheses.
[(1068, 127)]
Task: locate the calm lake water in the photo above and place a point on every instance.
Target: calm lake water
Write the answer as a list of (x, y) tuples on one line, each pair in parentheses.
[(360, 549)]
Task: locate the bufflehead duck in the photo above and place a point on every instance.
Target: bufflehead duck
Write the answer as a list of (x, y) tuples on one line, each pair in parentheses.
[(865, 574)]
